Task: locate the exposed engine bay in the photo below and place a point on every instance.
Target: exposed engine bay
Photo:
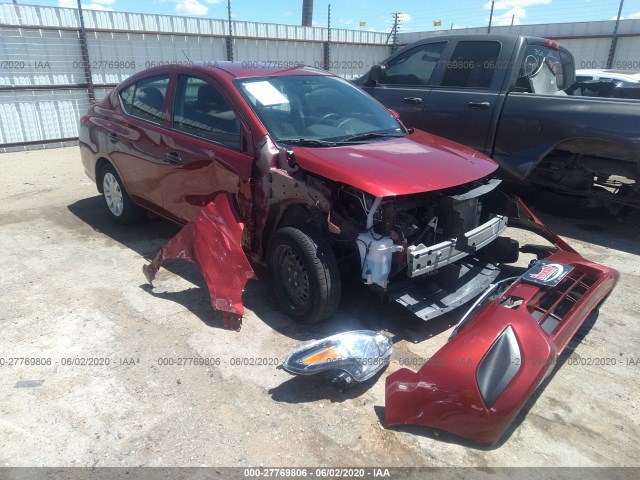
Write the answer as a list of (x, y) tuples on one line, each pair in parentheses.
[(428, 248)]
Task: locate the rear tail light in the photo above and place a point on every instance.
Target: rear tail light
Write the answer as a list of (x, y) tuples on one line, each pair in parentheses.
[(553, 44)]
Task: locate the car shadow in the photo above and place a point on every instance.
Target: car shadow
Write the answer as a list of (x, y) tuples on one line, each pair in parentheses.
[(359, 309), (313, 388), (146, 239), (447, 437)]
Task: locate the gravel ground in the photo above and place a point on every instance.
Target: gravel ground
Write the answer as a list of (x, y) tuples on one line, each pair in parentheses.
[(72, 287)]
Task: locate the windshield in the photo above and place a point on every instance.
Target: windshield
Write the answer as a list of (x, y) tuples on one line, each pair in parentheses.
[(317, 110)]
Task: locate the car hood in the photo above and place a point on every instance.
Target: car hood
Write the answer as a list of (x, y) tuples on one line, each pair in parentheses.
[(416, 163)]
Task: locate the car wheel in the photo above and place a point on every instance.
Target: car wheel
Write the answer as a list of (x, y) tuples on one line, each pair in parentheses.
[(117, 200), (305, 273)]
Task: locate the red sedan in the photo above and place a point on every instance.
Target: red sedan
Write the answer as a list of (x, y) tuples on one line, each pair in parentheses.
[(319, 175)]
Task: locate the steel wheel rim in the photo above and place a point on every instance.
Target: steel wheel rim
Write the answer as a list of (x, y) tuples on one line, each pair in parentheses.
[(293, 276), (113, 194)]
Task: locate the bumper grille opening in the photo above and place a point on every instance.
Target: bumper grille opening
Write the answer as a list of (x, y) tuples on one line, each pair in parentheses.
[(550, 308)]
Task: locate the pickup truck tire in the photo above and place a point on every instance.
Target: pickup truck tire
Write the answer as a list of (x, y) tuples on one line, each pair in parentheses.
[(305, 274)]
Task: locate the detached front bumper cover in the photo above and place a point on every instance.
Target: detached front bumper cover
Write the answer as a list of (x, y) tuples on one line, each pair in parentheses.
[(505, 346), (212, 241)]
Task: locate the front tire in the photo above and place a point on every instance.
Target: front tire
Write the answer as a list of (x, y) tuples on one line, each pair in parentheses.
[(305, 273), (117, 200)]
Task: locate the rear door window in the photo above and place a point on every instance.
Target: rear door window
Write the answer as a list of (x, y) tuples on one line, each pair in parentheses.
[(472, 65), (145, 99)]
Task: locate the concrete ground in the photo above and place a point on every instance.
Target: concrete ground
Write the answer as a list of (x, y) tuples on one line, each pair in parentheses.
[(72, 287)]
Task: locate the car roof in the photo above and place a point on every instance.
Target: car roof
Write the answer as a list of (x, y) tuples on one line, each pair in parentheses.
[(613, 74), (250, 68)]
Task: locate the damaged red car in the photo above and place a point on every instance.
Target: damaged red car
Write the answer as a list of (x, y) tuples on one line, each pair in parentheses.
[(304, 172)]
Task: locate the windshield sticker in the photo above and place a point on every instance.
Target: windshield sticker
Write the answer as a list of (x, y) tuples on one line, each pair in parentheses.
[(266, 93)]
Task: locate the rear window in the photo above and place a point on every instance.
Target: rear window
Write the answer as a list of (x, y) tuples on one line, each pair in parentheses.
[(471, 65), (145, 99)]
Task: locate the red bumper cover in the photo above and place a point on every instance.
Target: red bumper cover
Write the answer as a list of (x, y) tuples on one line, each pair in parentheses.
[(477, 383)]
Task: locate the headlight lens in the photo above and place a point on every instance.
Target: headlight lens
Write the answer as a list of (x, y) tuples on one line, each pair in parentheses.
[(352, 357)]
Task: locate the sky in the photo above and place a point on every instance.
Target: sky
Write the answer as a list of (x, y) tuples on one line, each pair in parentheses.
[(376, 15)]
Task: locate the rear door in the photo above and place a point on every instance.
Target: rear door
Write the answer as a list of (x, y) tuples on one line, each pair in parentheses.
[(136, 139), (465, 101), (207, 150), (407, 82)]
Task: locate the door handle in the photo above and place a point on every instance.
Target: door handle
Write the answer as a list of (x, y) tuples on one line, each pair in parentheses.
[(414, 100), (173, 157), (113, 138), (480, 105)]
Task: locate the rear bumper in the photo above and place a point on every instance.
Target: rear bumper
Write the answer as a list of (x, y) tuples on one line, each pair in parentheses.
[(89, 161)]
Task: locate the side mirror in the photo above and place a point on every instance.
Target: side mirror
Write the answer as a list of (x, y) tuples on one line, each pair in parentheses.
[(378, 73)]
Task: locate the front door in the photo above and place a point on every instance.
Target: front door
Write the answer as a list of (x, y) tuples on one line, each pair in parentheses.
[(204, 154)]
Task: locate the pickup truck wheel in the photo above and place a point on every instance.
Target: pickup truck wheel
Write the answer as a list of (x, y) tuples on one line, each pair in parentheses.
[(305, 273), (117, 200)]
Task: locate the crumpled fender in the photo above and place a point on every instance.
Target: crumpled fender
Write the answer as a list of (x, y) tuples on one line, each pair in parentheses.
[(446, 393), (212, 241)]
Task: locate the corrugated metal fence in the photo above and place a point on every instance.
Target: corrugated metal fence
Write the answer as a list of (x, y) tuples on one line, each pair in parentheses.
[(48, 72), (50, 68)]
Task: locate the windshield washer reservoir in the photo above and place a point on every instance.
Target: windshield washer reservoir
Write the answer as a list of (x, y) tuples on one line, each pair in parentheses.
[(375, 257)]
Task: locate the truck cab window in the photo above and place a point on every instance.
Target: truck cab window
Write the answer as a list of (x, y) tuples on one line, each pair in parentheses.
[(471, 65), (415, 66)]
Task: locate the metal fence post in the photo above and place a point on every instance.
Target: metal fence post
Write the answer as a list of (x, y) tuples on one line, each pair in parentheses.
[(86, 64), (327, 44), (230, 36), (614, 40)]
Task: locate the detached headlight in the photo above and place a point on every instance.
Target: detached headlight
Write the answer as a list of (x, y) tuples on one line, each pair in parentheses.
[(353, 357)]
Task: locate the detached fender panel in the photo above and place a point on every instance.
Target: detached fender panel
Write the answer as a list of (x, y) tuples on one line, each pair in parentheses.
[(212, 241), (477, 383)]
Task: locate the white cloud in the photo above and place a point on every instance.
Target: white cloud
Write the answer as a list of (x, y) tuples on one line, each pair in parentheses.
[(514, 15), (404, 17), (515, 10), (509, 4), (191, 8), (635, 15), (348, 21), (99, 5)]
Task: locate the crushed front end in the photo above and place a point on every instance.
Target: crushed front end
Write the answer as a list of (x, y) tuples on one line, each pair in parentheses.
[(430, 252)]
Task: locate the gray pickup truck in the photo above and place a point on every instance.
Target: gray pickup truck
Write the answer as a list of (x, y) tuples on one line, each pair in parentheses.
[(506, 96)]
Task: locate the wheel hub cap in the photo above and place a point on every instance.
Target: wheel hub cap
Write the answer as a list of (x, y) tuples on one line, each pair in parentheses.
[(113, 194), (294, 276)]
